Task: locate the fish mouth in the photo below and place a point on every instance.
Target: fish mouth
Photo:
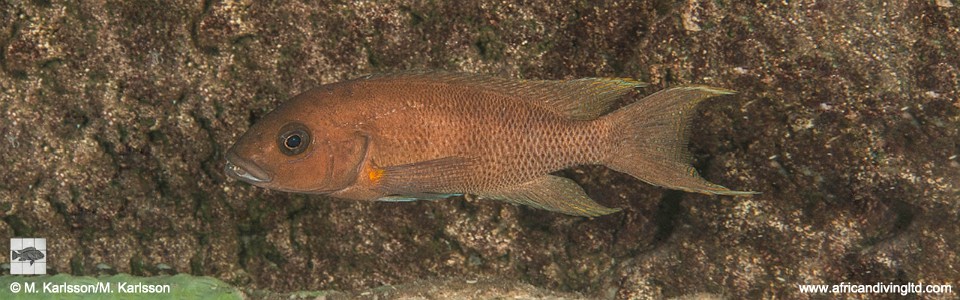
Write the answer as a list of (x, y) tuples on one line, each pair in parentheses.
[(245, 170)]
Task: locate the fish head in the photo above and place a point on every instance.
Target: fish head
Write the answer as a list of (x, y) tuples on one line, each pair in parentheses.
[(298, 147)]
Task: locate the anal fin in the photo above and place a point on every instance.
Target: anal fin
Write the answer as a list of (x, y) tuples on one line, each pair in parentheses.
[(554, 194)]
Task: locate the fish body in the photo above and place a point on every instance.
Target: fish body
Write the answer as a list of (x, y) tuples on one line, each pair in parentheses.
[(428, 135), (29, 253)]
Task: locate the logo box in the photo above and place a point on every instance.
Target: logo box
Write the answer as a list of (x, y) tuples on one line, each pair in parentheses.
[(28, 256)]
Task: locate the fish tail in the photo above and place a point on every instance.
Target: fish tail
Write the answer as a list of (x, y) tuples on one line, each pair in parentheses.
[(16, 254), (650, 137)]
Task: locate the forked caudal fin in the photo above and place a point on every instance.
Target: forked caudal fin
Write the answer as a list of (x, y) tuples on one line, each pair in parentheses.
[(651, 140)]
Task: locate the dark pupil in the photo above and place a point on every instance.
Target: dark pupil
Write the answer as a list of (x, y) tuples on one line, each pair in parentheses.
[(293, 141)]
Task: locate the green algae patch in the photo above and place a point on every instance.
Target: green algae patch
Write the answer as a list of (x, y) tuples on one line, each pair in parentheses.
[(122, 286)]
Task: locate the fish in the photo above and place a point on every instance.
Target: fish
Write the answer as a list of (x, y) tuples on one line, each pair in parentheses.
[(28, 253), (428, 135)]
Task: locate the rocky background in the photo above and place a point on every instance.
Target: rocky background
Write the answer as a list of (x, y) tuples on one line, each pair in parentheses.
[(116, 115)]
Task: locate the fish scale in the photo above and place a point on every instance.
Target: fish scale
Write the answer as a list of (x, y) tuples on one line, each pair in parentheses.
[(504, 149)]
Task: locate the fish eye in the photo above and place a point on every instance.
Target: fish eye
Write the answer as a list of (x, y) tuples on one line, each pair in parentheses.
[(293, 139)]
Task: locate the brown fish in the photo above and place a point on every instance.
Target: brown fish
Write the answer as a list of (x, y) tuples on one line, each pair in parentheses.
[(430, 135)]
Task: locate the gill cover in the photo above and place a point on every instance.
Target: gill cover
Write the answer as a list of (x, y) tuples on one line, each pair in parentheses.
[(340, 165)]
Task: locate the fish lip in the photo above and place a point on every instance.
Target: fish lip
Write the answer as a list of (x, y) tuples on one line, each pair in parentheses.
[(245, 170)]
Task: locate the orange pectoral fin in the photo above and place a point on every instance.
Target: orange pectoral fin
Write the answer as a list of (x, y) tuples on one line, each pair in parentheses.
[(374, 174), (429, 176)]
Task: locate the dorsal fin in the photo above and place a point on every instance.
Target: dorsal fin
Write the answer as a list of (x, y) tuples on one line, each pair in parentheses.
[(581, 99)]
